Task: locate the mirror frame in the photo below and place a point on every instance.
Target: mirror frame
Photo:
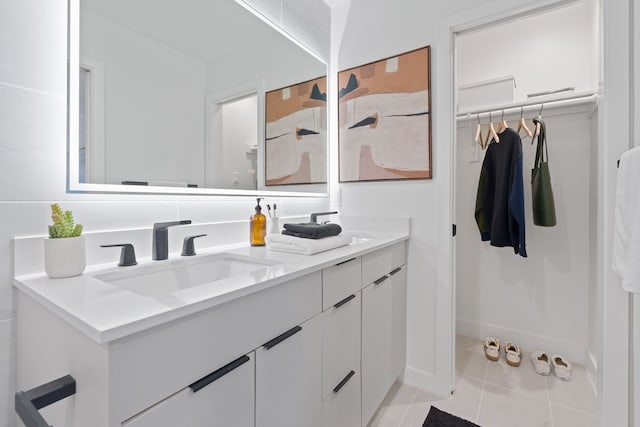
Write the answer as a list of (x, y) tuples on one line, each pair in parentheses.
[(73, 182)]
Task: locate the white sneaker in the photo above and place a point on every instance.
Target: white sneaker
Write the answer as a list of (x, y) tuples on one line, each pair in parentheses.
[(512, 353), (492, 349), (561, 367), (541, 362)]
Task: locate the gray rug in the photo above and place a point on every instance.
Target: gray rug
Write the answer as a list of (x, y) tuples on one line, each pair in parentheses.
[(438, 418)]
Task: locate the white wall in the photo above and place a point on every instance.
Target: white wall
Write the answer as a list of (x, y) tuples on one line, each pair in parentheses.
[(542, 301), (33, 37), (237, 139), (547, 51), (154, 102), (273, 63), (306, 21)]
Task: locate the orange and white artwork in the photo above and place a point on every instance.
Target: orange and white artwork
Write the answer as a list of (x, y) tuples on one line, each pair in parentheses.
[(384, 119), (296, 134)]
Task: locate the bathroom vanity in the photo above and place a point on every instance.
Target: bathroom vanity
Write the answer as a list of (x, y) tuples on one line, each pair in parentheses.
[(294, 341)]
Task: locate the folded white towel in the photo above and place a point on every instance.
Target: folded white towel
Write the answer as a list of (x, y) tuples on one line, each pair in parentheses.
[(298, 245)]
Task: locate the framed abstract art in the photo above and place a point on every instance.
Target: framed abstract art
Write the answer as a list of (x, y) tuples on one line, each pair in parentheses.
[(295, 134), (384, 119)]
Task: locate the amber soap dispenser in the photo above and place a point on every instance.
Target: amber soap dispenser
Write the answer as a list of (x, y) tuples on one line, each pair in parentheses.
[(257, 226)]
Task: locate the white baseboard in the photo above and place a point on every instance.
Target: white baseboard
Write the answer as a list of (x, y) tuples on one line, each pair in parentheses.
[(426, 382), (575, 352), (591, 365)]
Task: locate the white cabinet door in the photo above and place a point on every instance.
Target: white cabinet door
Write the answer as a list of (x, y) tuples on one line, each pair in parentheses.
[(288, 378), (376, 345), (342, 407), (398, 321), (340, 341), (221, 399)]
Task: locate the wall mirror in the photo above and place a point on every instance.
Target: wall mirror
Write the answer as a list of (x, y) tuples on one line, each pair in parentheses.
[(169, 97)]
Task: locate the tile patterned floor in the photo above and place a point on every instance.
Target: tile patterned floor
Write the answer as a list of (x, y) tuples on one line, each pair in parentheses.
[(494, 394)]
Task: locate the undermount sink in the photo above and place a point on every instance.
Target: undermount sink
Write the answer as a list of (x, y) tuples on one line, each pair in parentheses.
[(167, 277)]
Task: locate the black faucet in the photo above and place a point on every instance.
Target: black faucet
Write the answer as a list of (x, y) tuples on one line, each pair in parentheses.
[(315, 215), (160, 248)]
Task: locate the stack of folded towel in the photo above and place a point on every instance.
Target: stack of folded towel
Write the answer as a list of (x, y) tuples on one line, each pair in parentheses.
[(308, 238), (312, 230)]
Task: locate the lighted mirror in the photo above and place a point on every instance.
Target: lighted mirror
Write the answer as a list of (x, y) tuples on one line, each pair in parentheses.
[(171, 97)]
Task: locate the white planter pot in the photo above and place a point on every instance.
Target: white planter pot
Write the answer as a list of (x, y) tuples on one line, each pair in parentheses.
[(64, 257)]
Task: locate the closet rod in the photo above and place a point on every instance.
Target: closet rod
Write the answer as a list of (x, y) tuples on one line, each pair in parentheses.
[(530, 106)]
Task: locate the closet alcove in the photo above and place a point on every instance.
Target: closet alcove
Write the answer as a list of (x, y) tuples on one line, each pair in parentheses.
[(550, 300)]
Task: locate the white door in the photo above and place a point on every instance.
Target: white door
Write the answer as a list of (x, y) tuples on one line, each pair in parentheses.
[(288, 378), (376, 345), (398, 279)]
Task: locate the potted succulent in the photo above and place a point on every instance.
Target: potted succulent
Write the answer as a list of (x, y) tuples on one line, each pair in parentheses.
[(64, 250)]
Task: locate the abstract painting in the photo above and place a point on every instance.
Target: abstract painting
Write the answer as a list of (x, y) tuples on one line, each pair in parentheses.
[(296, 134), (384, 119)]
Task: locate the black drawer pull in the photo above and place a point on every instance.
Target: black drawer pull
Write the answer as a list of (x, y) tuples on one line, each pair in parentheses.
[(277, 340), (344, 301), (396, 270), (344, 381), (28, 402), (217, 374), (380, 280), (344, 262)]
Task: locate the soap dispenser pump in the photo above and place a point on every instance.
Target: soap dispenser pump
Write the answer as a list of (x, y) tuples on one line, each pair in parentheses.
[(257, 226)]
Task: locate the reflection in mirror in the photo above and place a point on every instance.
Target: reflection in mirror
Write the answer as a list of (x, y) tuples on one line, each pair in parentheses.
[(172, 94)]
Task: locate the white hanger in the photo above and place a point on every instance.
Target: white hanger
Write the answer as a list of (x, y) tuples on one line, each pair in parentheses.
[(503, 124), (522, 125), (537, 131), (492, 131), (478, 138)]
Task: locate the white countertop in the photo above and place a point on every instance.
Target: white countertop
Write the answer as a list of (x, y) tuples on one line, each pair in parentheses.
[(105, 312)]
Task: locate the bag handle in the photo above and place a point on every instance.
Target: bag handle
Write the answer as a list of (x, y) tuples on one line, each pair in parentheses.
[(542, 139)]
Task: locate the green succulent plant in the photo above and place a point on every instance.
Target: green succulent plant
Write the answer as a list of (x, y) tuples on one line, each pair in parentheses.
[(63, 224)]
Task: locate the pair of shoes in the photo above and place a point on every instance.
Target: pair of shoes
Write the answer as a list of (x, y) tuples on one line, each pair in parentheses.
[(512, 351), (542, 363)]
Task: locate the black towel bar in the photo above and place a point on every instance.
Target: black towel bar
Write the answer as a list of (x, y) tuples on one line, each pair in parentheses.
[(28, 402)]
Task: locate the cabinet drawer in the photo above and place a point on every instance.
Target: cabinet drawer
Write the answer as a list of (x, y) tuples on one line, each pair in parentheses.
[(340, 281), (340, 342), (342, 407), (228, 400), (377, 264), (198, 344)]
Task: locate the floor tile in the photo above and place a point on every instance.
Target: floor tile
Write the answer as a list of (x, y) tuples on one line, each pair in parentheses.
[(566, 417), (463, 403), (577, 393), (470, 358), (522, 379), (380, 420), (397, 401), (502, 407)]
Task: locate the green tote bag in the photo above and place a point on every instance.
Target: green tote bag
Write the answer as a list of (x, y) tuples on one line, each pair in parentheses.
[(544, 209)]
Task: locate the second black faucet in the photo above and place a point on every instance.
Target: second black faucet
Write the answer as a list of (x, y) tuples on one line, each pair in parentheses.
[(160, 243)]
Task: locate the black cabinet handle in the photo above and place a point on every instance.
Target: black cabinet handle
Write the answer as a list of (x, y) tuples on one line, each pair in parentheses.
[(344, 262), (394, 271), (344, 301), (28, 402), (277, 340), (216, 375), (344, 381), (380, 280)]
